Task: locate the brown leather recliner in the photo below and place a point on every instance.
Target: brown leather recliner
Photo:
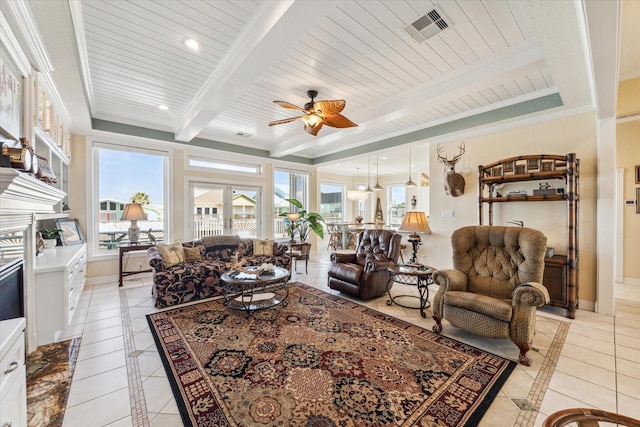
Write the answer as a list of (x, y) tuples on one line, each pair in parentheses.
[(364, 274)]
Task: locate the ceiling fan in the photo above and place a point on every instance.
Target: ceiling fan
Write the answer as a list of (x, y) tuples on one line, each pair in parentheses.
[(317, 113)]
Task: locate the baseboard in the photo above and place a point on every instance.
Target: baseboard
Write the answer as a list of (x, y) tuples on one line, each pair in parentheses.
[(102, 280), (587, 305)]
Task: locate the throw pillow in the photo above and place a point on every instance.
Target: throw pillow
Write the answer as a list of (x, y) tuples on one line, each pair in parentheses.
[(192, 254), (263, 247), (172, 254)]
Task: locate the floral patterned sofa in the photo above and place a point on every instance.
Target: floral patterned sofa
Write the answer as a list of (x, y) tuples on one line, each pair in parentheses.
[(196, 275)]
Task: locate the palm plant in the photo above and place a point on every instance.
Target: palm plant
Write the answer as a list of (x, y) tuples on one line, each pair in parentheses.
[(140, 197), (306, 222)]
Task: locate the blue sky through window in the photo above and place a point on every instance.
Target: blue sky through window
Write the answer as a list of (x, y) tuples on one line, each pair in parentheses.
[(124, 173)]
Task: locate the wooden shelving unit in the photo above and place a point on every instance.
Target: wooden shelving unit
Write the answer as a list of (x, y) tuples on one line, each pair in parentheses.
[(561, 271)]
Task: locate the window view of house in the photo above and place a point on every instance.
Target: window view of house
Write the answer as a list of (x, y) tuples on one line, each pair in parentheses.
[(126, 176), (331, 202), (287, 185), (397, 204), (209, 211)]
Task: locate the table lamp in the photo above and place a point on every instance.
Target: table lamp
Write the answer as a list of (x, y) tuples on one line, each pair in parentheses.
[(133, 212), (293, 217), (415, 222)]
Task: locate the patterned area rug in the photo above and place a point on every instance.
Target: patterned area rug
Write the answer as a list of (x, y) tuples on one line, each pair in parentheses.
[(321, 360), (49, 371)]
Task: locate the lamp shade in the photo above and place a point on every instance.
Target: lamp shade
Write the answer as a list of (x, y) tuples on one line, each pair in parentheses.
[(415, 222), (293, 217), (133, 212)]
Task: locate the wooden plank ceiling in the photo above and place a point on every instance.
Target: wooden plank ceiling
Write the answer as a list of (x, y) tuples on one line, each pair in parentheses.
[(493, 54)]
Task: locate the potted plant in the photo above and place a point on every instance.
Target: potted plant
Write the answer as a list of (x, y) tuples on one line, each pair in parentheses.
[(50, 237), (305, 221)]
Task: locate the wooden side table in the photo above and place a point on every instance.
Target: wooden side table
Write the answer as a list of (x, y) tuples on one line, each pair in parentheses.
[(300, 251), (125, 250), (412, 274)]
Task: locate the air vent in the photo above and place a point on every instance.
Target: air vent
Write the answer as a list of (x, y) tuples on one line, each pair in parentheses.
[(427, 26)]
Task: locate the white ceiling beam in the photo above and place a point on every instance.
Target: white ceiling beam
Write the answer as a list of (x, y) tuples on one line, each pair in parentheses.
[(481, 74), (273, 29)]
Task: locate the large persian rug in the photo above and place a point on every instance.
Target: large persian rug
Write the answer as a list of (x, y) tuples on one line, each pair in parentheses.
[(321, 360)]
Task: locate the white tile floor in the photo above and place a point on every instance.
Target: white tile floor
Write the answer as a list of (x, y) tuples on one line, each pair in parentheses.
[(119, 379)]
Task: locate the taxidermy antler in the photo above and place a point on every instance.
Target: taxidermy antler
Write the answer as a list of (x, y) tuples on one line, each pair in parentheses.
[(453, 182)]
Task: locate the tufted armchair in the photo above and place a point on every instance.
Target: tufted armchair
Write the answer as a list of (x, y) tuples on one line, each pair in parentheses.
[(495, 284), (364, 274)]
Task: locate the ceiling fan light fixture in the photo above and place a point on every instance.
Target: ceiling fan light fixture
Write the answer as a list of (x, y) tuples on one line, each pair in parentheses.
[(312, 120)]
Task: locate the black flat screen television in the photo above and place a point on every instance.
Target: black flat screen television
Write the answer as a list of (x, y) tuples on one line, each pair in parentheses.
[(12, 290)]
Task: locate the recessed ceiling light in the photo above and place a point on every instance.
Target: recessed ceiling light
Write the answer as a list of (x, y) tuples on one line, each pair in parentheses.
[(163, 107), (384, 158), (337, 164), (193, 44)]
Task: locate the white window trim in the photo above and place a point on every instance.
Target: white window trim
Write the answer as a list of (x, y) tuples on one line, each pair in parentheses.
[(259, 168), (93, 252)]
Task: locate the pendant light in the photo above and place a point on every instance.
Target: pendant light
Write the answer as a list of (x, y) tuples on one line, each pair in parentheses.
[(356, 194), (377, 187), (410, 183), (369, 189)]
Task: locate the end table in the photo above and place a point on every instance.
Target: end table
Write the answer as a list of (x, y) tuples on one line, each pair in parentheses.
[(411, 274), (124, 250)]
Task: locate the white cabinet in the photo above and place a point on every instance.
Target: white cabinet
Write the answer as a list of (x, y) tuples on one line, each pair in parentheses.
[(13, 383), (60, 277)]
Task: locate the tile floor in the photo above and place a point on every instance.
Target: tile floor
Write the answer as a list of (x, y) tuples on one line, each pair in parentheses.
[(119, 378)]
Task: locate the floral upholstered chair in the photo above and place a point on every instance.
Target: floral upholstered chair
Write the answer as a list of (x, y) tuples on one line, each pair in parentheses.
[(495, 285)]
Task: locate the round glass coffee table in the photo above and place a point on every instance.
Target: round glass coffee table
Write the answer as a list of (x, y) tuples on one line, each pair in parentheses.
[(416, 275), (253, 291)]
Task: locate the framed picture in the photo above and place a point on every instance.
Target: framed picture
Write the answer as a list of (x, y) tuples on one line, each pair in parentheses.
[(44, 171), (638, 200), (71, 233), (638, 174)]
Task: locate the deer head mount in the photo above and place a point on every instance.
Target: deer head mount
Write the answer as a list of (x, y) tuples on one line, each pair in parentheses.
[(453, 182)]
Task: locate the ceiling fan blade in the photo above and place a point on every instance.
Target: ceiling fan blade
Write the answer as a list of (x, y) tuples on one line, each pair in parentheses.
[(329, 107), (280, 122), (289, 105), (338, 121), (313, 130)]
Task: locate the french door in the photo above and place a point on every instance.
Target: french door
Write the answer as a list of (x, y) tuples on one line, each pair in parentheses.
[(218, 209)]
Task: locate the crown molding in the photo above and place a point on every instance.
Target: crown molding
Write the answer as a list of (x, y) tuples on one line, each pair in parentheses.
[(27, 25), (10, 42)]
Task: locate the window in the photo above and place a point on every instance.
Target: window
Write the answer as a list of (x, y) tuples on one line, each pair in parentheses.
[(223, 165), (121, 174), (397, 204), (287, 185), (331, 202)]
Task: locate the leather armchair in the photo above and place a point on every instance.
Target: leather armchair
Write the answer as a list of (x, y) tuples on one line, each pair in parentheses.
[(364, 274), (495, 285)]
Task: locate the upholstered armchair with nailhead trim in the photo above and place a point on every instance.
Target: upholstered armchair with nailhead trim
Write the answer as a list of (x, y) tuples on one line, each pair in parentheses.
[(495, 285)]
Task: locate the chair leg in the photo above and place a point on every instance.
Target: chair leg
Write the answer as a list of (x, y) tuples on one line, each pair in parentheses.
[(437, 328), (524, 348)]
